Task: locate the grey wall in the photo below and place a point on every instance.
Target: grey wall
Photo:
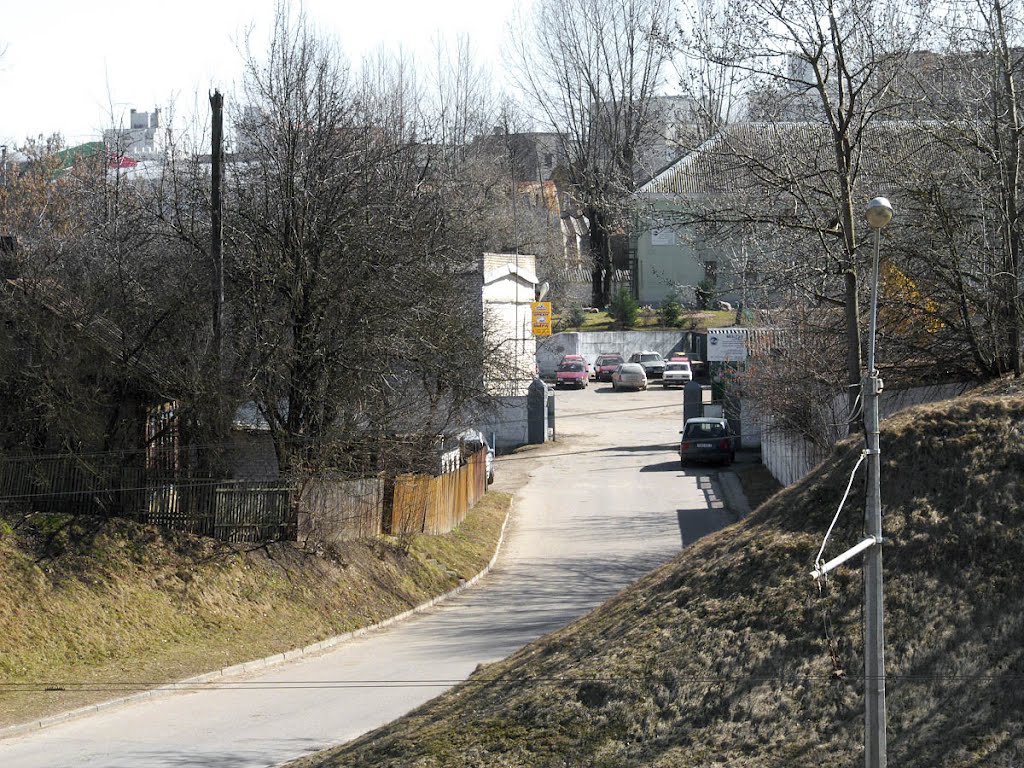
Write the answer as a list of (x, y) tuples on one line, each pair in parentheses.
[(590, 344), (505, 423)]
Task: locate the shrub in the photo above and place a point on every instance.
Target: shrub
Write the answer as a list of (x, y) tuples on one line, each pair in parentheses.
[(624, 308), (575, 316), (671, 311), (704, 293)]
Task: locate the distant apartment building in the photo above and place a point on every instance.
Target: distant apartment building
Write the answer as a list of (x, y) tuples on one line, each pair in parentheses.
[(140, 139)]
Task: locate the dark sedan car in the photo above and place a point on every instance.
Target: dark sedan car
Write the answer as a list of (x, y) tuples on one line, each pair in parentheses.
[(707, 439), (653, 363)]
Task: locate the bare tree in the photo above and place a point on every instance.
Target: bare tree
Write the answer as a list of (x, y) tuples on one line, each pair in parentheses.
[(351, 227), (819, 78), (966, 190), (591, 70)]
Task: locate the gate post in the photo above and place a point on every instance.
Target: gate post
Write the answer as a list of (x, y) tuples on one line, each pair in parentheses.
[(537, 412)]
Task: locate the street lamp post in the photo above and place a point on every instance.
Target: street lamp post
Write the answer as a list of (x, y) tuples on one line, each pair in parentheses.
[(878, 215)]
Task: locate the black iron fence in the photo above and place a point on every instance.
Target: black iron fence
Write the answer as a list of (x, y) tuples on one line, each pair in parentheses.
[(231, 510)]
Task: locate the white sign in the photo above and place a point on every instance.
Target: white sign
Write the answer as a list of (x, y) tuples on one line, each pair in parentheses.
[(724, 346), (663, 236)]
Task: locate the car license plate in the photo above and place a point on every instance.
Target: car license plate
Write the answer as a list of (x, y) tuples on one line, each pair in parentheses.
[(705, 445)]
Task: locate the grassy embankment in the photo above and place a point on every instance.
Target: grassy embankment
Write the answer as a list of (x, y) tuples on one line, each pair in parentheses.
[(732, 656), (115, 607), (691, 321)]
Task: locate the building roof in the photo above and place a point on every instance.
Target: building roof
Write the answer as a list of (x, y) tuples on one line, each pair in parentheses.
[(755, 155), (524, 274)]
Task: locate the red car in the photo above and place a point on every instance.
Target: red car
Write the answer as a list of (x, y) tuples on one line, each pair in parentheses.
[(576, 359), (606, 364), (572, 374)]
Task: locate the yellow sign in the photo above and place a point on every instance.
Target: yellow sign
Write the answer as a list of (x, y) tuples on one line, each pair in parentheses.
[(541, 318)]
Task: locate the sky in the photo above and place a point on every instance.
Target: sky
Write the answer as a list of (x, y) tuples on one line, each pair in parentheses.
[(78, 66)]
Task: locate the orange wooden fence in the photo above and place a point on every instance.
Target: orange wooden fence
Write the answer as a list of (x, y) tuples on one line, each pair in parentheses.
[(425, 504)]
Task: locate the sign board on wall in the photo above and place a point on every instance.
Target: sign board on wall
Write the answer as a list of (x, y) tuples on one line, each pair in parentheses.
[(663, 236), (726, 345), (541, 317)]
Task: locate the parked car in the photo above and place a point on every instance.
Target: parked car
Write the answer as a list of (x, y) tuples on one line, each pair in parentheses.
[(653, 363), (571, 374), (629, 375), (606, 364), (576, 359), (696, 366), (676, 372), (473, 440), (707, 439)]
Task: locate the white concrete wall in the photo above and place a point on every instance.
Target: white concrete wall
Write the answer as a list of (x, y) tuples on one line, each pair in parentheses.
[(789, 456)]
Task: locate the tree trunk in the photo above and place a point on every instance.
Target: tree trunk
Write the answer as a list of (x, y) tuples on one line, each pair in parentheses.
[(600, 261)]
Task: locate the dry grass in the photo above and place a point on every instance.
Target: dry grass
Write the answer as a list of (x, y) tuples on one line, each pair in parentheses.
[(758, 483), (731, 656), (121, 606)]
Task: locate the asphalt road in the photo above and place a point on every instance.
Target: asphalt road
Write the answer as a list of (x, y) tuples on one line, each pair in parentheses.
[(595, 510)]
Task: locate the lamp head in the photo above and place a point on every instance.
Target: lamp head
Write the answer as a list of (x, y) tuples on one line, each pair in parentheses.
[(878, 213)]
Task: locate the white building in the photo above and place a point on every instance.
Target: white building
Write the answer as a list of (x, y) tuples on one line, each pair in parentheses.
[(509, 285), (140, 139)]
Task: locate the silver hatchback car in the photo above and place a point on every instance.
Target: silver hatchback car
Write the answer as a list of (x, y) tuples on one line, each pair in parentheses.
[(629, 375)]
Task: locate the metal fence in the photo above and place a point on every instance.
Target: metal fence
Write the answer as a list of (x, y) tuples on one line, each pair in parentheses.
[(789, 456), (231, 510)]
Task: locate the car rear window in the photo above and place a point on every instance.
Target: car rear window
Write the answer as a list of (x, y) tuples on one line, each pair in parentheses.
[(648, 358), (572, 367), (678, 367), (704, 429)]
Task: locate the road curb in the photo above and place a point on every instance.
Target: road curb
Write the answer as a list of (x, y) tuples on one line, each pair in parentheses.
[(733, 494), (195, 683)]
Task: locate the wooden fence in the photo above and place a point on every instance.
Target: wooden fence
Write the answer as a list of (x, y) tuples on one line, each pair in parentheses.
[(333, 510), (425, 504)]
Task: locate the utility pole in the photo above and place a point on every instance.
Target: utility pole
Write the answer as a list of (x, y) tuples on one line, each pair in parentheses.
[(217, 229), (878, 215)]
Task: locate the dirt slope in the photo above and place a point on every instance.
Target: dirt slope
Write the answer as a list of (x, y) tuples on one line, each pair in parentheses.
[(731, 656)]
